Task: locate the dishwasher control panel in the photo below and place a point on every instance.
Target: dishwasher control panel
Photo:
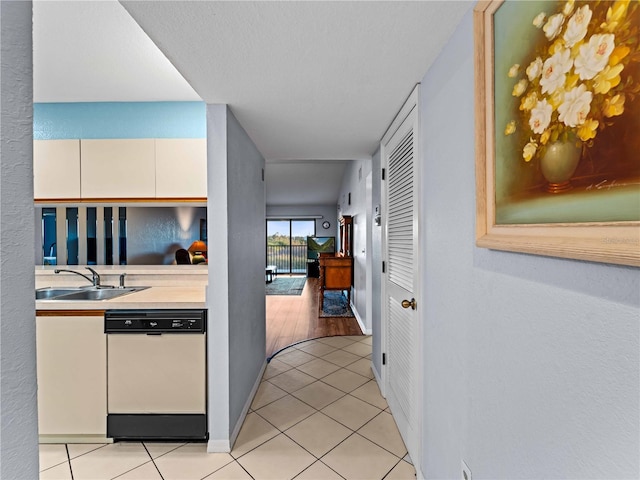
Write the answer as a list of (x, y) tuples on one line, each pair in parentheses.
[(155, 321)]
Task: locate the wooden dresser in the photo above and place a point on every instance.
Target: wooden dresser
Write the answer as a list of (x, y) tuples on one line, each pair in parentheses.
[(336, 270)]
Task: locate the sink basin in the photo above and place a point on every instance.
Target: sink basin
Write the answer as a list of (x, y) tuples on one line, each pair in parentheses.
[(51, 292), (66, 294)]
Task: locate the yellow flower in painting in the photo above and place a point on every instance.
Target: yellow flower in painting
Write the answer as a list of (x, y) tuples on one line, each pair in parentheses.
[(529, 101), (572, 81), (614, 106), (615, 14), (510, 128), (618, 54), (568, 7), (556, 99), (513, 71), (519, 88), (587, 130), (544, 138), (529, 150), (607, 79), (539, 20)]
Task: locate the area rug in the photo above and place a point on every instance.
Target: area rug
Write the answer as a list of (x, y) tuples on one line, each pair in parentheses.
[(286, 286), (334, 305)]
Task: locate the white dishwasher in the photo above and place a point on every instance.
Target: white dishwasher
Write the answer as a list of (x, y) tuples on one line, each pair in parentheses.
[(156, 374)]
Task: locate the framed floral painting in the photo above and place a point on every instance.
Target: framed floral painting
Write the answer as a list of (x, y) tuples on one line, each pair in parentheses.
[(558, 128)]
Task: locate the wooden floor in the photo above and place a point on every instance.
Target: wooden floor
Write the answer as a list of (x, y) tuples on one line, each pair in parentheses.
[(293, 318)]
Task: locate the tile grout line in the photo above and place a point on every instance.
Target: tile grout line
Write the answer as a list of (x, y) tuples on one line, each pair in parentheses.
[(66, 447), (391, 470), (153, 460)]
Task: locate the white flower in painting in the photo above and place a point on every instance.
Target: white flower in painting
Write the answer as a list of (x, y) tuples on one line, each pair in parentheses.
[(540, 116), (577, 26), (513, 71), (553, 26), (539, 20), (534, 69), (554, 70), (576, 106), (594, 55)]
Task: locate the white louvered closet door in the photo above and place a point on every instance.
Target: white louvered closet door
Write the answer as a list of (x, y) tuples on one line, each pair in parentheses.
[(401, 240)]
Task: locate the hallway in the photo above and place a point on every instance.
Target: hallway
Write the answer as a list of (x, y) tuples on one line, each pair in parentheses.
[(318, 415), (294, 318)]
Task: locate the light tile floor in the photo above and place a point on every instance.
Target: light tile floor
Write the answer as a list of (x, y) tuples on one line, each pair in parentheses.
[(317, 415)]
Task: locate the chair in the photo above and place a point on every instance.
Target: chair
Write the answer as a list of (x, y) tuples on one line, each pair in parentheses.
[(183, 257)]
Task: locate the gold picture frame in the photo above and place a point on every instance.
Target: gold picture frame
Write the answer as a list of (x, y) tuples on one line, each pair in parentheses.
[(611, 240)]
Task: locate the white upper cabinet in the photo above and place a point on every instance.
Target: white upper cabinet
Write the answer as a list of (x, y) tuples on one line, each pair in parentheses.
[(181, 167), (56, 169), (118, 168)]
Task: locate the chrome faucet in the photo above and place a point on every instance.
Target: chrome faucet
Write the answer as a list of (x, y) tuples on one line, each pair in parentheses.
[(95, 278)]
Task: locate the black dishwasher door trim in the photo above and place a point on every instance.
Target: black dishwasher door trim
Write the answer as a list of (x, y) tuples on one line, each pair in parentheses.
[(155, 321), (157, 426)]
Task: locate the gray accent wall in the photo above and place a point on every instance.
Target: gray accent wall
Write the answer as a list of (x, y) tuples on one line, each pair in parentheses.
[(531, 364), (18, 406), (247, 233), (235, 296)]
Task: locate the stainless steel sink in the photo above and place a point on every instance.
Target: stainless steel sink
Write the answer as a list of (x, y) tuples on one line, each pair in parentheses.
[(92, 293), (51, 292)]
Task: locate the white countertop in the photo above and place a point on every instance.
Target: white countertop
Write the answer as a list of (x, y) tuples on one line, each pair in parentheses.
[(153, 297)]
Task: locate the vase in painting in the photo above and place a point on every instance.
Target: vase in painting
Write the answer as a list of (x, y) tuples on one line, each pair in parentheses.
[(558, 164)]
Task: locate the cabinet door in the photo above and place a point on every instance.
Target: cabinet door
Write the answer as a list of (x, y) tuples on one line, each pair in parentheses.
[(72, 375), (56, 169), (118, 168), (181, 167)]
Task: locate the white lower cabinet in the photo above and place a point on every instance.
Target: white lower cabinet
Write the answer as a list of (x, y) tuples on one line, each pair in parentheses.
[(72, 376)]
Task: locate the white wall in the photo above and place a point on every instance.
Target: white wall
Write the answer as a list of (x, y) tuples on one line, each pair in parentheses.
[(531, 364), (354, 187), (18, 410)]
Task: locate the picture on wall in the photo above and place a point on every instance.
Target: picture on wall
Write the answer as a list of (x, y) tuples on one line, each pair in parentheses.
[(558, 122)]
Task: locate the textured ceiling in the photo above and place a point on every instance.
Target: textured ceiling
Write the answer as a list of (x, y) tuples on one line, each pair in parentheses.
[(308, 80), (93, 51)]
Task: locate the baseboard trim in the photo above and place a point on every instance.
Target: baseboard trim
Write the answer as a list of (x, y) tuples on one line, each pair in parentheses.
[(71, 438), (378, 379), (218, 446), (247, 405), (359, 320)]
